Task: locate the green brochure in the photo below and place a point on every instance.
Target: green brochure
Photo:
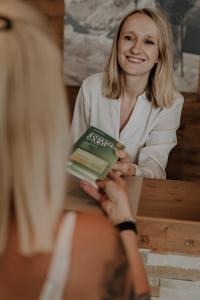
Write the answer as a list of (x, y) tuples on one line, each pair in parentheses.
[(93, 155)]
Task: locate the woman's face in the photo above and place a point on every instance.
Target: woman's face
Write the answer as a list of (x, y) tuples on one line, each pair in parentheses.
[(138, 45)]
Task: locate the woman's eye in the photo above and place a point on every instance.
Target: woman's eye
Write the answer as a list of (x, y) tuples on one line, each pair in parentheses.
[(128, 38), (149, 42)]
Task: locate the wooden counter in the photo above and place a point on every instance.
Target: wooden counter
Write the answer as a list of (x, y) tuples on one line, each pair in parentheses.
[(169, 216)]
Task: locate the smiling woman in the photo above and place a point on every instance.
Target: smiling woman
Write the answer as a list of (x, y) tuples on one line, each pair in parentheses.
[(135, 100), (138, 46)]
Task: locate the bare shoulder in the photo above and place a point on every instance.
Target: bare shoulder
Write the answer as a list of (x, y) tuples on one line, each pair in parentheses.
[(99, 265)]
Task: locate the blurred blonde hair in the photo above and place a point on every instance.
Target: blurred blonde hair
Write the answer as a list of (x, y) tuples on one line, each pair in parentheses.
[(33, 129), (161, 88)]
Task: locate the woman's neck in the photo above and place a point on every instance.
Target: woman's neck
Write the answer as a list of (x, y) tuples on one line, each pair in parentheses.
[(132, 87)]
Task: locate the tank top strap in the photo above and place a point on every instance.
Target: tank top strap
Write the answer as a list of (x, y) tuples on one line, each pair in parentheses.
[(58, 273)]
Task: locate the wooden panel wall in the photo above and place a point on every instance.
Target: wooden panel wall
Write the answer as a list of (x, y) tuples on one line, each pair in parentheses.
[(54, 10), (184, 162)]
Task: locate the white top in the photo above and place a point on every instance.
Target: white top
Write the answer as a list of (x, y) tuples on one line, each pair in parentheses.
[(148, 136), (55, 283)]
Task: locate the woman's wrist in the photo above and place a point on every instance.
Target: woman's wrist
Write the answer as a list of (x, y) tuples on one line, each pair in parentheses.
[(123, 218), (127, 225)]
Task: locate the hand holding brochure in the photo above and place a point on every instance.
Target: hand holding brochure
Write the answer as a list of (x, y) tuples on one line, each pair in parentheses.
[(93, 155)]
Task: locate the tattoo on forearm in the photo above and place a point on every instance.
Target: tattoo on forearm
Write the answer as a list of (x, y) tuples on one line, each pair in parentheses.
[(116, 279)]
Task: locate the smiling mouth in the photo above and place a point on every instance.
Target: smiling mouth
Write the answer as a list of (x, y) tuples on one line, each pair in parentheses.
[(135, 60)]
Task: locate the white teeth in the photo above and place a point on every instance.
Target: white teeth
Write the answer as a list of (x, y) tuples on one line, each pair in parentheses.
[(135, 60)]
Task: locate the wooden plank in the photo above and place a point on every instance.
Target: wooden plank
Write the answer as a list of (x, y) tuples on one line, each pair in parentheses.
[(165, 235), (170, 199), (169, 216)]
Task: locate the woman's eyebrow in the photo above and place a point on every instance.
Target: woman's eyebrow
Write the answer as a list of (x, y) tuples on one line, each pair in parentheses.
[(128, 32), (151, 37), (145, 35)]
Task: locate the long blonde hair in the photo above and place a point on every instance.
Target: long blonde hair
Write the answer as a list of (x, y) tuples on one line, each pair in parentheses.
[(33, 128), (161, 88)]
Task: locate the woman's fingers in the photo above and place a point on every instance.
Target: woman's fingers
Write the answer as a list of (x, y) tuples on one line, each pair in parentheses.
[(103, 199), (125, 168), (124, 163), (119, 180), (90, 190), (122, 155), (102, 183), (116, 166), (97, 194), (113, 175), (108, 190), (121, 167)]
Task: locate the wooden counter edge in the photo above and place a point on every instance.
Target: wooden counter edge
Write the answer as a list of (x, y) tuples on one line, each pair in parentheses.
[(165, 235)]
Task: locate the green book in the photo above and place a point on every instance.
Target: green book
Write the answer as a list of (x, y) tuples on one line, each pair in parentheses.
[(93, 155)]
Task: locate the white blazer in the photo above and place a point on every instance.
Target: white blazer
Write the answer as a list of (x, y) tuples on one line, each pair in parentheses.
[(149, 135)]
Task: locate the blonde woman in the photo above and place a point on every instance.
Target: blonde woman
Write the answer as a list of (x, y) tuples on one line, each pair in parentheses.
[(47, 254), (135, 100)]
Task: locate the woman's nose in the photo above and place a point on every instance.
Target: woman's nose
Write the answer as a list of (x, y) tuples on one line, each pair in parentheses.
[(136, 47)]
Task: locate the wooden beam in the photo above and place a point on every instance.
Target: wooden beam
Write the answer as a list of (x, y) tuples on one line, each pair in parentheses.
[(165, 235)]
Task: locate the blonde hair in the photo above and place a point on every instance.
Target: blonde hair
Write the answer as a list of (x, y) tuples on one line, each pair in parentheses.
[(33, 129), (161, 88)]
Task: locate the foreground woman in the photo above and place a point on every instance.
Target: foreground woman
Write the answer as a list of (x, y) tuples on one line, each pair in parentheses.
[(45, 253)]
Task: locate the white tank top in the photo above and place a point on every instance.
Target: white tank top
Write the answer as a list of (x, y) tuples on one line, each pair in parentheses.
[(58, 273)]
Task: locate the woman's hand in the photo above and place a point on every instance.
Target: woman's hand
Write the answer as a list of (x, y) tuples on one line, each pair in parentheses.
[(124, 165), (113, 197)]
